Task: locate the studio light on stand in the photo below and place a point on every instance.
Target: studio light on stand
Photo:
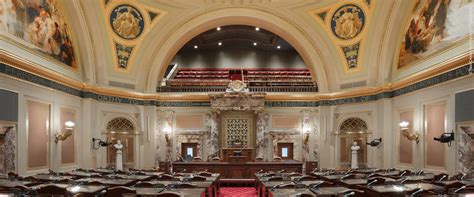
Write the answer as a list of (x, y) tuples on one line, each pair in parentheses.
[(375, 142), (99, 143), (445, 138)]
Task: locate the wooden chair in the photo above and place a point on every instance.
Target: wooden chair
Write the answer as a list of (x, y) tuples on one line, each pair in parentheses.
[(216, 159), (196, 159), (185, 185), (52, 190), (144, 184), (118, 191), (168, 194), (198, 178), (96, 183), (294, 174), (206, 174), (420, 192), (308, 178), (165, 177), (322, 184), (258, 159), (275, 178), (306, 195)]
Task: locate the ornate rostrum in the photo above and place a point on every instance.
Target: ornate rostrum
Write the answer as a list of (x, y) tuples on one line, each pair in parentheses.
[(237, 101)]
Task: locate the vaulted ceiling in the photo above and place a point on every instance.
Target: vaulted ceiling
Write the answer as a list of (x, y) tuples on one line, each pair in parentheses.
[(114, 49)]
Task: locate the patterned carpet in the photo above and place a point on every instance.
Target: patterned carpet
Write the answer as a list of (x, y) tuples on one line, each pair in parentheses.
[(237, 192)]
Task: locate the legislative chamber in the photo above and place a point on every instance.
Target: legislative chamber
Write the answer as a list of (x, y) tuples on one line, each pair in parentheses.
[(226, 98)]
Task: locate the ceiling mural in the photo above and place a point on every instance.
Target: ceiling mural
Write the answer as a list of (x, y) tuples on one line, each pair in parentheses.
[(346, 23), (40, 25), (434, 25), (129, 22)]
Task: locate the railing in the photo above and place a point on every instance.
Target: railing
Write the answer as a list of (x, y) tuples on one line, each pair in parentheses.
[(253, 86)]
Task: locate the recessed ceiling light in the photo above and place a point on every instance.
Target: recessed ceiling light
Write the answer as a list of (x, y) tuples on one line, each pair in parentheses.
[(195, 46), (218, 28), (220, 43), (254, 44), (257, 29), (278, 47)]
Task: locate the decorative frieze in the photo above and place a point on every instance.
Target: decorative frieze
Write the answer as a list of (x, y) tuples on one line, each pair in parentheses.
[(237, 101)]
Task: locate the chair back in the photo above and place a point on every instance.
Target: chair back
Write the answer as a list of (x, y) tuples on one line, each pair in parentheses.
[(308, 178), (168, 194), (207, 174), (165, 177), (198, 178), (275, 178), (185, 185), (144, 184), (52, 190), (118, 191)]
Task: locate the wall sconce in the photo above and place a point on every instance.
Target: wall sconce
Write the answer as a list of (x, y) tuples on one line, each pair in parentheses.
[(410, 135), (306, 131), (167, 131), (68, 128)]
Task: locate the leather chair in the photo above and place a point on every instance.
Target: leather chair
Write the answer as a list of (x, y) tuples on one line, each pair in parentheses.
[(118, 191), (52, 190)]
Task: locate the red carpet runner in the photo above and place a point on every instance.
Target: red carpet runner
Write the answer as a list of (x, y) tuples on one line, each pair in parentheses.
[(237, 192)]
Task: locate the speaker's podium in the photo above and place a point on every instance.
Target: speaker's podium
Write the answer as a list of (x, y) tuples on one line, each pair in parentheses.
[(237, 154)]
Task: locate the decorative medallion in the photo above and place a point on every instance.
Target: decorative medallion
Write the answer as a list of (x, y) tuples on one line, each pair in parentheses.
[(127, 22), (347, 22)]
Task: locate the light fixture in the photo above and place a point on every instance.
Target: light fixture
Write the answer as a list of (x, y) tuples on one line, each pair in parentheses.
[(254, 44), (68, 128), (220, 43), (218, 28), (195, 46), (257, 29), (278, 47), (99, 144), (410, 135)]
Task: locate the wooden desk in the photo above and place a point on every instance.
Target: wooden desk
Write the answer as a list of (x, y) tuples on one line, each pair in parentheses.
[(237, 170), (246, 154)]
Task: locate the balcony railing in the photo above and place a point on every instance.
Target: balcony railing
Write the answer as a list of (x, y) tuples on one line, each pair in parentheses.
[(253, 86)]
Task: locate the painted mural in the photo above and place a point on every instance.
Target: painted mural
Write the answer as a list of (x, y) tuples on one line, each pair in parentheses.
[(127, 22), (347, 22), (434, 25), (41, 24)]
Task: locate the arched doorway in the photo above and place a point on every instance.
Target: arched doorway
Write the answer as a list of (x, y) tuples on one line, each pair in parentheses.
[(121, 129), (350, 130)]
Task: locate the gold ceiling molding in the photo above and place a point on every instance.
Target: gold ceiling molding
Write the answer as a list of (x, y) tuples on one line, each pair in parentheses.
[(336, 18), (124, 37), (35, 69)]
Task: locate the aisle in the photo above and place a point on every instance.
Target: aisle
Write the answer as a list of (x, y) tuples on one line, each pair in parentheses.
[(237, 192)]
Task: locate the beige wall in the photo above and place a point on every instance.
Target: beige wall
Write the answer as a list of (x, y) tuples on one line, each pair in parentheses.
[(405, 147), (435, 123), (38, 129), (68, 146)]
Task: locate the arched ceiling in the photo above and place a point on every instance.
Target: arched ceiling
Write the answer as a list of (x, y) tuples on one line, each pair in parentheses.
[(359, 55)]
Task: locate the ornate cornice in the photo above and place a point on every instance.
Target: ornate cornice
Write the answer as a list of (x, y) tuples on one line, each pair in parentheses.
[(17, 68)]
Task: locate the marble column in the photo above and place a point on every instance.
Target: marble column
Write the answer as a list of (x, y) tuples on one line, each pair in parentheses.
[(7, 151), (262, 127), (213, 137), (465, 145), (164, 147)]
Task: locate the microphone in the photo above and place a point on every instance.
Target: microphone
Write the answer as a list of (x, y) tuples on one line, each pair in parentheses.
[(372, 182)]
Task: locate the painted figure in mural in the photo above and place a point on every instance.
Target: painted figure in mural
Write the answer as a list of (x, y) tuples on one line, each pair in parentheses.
[(126, 25), (39, 23), (434, 24), (348, 23)]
